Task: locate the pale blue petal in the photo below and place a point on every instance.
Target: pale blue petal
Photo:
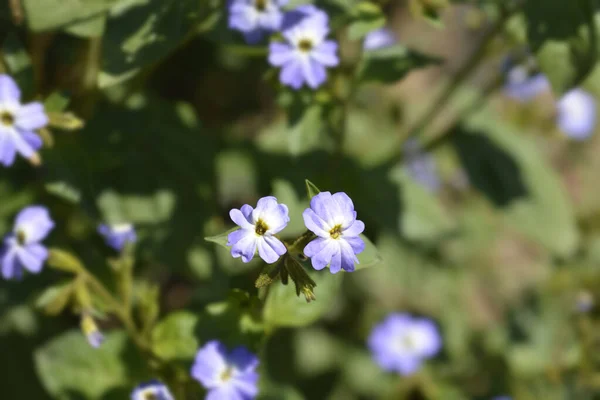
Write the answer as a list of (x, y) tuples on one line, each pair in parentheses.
[(355, 229), (30, 260), (355, 242), (266, 252), (34, 222), (291, 74), (245, 247), (236, 236), (276, 245), (314, 73), (348, 259), (280, 54), (31, 117), (209, 364), (238, 217), (8, 151), (325, 53), (315, 223), (9, 91)]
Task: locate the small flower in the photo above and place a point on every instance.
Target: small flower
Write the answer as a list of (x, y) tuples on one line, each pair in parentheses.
[(152, 390), (255, 18), (421, 166), (91, 331), (577, 114), (401, 343), (22, 248), (18, 123), (258, 227), (306, 52), (118, 235), (226, 375), (379, 39), (523, 82), (333, 219)]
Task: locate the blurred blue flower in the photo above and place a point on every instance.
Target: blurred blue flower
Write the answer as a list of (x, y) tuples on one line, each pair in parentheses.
[(502, 398), (577, 114), (255, 18), (293, 17), (18, 123), (523, 82), (421, 166), (91, 331), (152, 390), (258, 227), (118, 235), (226, 375), (333, 219), (22, 248), (306, 53), (379, 38), (401, 343)]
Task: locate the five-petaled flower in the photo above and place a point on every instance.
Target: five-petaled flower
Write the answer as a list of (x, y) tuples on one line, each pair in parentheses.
[(22, 248), (255, 18), (118, 235), (152, 390), (18, 123), (258, 227), (226, 375), (379, 39), (333, 219), (306, 52), (401, 343), (577, 114)]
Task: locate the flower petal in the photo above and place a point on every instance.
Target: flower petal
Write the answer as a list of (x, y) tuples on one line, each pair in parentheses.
[(9, 91), (35, 222), (280, 54), (30, 258), (245, 247), (343, 209), (324, 257), (315, 246), (209, 364), (7, 150), (266, 252), (355, 229), (315, 223), (321, 204), (236, 236), (32, 139), (325, 53), (243, 359), (314, 73), (276, 245), (31, 116), (11, 269), (291, 74), (224, 392), (356, 243), (238, 217)]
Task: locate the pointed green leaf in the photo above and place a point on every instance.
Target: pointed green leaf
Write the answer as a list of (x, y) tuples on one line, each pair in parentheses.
[(221, 239), (311, 189), (370, 255)]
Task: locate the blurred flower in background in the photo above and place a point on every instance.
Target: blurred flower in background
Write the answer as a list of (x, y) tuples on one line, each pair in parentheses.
[(152, 390), (255, 18), (18, 123), (91, 331), (401, 343), (421, 165), (524, 81), (379, 38), (118, 235), (577, 114), (22, 248), (226, 375)]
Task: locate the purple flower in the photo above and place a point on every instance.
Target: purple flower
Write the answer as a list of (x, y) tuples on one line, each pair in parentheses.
[(153, 389), (306, 52), (401, 343), (258, 227), (333, 219), (421, 166), (118, 235), (226, 375), (18, 123), (255, 18), (523, 81), (93, 335), (22, 248), (379, 38), (577, 114)]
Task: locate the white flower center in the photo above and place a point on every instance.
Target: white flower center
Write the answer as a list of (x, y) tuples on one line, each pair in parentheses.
[(21, 237), (7, 118), (261, 5), (121, 228), (226, 374), (336, 231), (305, 45)]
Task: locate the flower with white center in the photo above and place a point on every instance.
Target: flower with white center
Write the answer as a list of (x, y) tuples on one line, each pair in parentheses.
[(255, 18), (306, 53), (379, 39), (152, 390), (118, 235), (18, 123), (257, 229), (22, 248), (226, 375), (577, 114), (401, 343), (332, 218)]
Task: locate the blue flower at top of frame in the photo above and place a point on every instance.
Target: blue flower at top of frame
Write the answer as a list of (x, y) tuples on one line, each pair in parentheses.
[(255, 18), (402, 342), (306, 52), (22, 248), (118, 235), (152, 390), (577, 114), (332, 218), (257, 229), (18, 123), (226, 374), (379, 39)]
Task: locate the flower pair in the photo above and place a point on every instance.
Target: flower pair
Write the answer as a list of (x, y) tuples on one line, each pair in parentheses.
[(331, 217)]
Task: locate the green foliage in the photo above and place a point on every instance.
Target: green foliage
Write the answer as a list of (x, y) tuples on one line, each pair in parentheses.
[(173, 338), (391, 64)]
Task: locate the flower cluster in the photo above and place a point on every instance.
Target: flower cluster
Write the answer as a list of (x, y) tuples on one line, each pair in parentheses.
[(305, 52), (331, 218)]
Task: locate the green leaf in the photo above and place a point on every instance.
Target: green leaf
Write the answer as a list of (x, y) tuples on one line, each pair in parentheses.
[(391, 64), (68, 364), (173, 338), (64, 261), (43, 15), (284, 308), (151, 209), (56, 102), (54, 299), (221, 239), (284, 191), (64, 190), (88, 28), (563, 35), (369, 17), (311, 189)]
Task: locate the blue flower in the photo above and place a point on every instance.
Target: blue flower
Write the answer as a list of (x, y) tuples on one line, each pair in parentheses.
[(401, 343), (333, 219), (117, 236), (577, 114), (523, 82), (153, 389), (306, 53), (258, 227), (421, 166), (22, 248), (255, 18), (93, 335), (226, 375), (379, 39), (18, 123)]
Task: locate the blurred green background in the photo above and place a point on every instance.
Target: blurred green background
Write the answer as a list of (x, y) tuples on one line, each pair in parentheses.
[(184, 121)]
